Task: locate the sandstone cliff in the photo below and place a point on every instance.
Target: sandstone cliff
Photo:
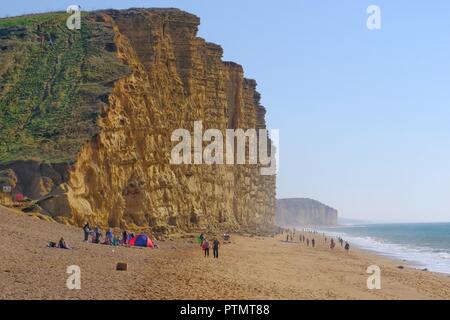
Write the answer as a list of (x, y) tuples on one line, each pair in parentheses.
[(304, 212), (103, 153)]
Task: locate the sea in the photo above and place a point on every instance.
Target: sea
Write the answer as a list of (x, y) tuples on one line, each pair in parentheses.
[(418, 245)]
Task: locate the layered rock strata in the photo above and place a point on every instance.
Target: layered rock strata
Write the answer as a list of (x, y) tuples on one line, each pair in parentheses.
[(121, 176)]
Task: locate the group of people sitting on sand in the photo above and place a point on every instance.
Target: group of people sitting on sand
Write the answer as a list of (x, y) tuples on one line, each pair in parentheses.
[(110, 238), (302, 239), (204, 243), (95, 235)]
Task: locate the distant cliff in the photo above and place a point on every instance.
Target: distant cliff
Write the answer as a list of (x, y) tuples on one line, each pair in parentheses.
[(301, 211)]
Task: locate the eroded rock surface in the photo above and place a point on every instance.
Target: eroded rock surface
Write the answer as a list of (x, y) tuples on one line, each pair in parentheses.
[(122, 176)]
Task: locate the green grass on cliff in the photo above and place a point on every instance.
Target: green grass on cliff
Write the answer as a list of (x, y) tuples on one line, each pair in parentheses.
[(50, 92), (31, 20)]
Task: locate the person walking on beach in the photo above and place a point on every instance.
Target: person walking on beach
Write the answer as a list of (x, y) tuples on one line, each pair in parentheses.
[(307, 242), (313, 243), (205, 247), (287, 238), (87, 231), (347, 246), (216, 244), (332, 244)]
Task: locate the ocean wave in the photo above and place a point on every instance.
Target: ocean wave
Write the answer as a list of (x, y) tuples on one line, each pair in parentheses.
[(444, 255)]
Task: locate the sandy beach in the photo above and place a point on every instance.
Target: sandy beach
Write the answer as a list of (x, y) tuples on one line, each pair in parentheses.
[(250, 267)]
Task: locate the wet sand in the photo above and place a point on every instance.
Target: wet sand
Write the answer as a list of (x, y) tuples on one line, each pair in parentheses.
[(248, 268)]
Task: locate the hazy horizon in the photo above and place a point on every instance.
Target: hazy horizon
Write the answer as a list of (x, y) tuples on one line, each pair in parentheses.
[(393, 221), (363, 115)]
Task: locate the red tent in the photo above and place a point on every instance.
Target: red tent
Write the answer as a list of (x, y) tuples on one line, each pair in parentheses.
[(141, 240), (19, 197)]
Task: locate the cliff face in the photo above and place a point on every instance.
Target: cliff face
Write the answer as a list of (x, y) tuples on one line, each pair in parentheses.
[(122, 176), (304, 212)]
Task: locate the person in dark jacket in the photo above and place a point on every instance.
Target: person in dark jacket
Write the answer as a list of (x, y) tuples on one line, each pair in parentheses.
[(216, 244), (124, 237), (87, 231), (97, 234), (62, 244), (347, 246)]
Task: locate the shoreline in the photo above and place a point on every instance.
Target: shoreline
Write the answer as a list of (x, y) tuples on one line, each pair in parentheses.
[(408, 259), (248, 268), (383, 256)]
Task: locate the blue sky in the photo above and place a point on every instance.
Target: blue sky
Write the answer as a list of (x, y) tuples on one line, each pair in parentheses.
[(364, 116)]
